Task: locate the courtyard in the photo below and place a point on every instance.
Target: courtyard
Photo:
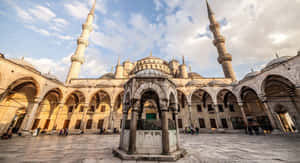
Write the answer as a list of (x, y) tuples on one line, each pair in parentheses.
[(200, 148)]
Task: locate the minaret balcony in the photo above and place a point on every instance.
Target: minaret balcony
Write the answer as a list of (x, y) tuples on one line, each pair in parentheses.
[(219, 40), (87, 27), (81, 40)]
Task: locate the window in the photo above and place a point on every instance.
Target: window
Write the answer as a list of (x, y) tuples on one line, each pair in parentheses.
[(77, 125), (47, 124), (35, 124), (199, 108), (66, 123), (220, 106), (210, 108), (100, 124), (201, 123), (213, 123), (92, 108), (81, 109), (70, 109), (224, 123), (103, 107), (180, 123), (89, 124), (231, 108)]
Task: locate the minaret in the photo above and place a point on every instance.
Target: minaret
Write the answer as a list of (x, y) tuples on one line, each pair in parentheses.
[(82, 42), (119, 70), (224, 57), (183, 69)]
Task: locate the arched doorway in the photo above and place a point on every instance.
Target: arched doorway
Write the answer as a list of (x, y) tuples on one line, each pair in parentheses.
[(117, 112), (281, 98), (17, 101), (183, 111), (229, 110), (48, 110), (203, 113), (98, 115), (255, 110), (72, 111)]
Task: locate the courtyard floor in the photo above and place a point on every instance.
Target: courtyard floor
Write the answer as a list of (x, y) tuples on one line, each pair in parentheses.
[(201, 148)]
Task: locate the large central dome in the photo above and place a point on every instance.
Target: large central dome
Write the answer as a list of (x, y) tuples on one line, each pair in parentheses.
[(153, 63)]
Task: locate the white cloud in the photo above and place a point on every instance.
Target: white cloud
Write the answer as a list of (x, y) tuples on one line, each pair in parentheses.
[(74, 8), (24, 15), (42, 13), (38, 30), (278, 38), (158, 4)]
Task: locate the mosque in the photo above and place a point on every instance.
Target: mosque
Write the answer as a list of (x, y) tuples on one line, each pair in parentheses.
[(146, 89)]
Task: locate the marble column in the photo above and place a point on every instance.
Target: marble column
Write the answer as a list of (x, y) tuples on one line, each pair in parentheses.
[(83, 121), (269, 112), (241, 105), (217, 116), (177, 130), (133, 125), (124, 119), (190, 114), (110, 119), (60, 107), (32, 114), (165, 128)]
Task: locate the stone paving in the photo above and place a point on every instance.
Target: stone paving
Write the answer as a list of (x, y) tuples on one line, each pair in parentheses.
[(201, 148)]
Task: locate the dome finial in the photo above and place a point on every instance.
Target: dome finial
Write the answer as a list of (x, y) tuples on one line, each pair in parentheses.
[(277, 55), (119, 61), (183, 61), (151, 53)]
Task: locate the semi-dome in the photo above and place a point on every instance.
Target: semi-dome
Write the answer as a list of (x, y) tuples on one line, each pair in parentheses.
[(195, 75), (251, 74), (150, 73), (278, 60), (216, 82), (108, 76), (153, 63)]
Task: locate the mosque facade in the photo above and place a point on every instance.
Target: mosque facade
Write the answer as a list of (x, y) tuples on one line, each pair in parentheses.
[(269, 98)]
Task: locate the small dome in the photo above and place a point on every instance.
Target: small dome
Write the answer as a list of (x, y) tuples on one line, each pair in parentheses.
[(150, 73), (107, 76), (194, 83), (24, 63), (194, 75), (251, 74), (216, 82), (278, 60)]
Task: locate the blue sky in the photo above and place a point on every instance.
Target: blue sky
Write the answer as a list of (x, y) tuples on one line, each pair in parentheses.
[(45, 32)]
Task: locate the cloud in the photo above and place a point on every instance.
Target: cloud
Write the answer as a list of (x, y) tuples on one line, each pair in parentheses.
[(76, 6), (38, 30), (42, 13), (24, 15)]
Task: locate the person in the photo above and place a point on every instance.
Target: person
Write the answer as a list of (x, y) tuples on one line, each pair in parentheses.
[(67, 132), (38, 131), (61, 132), (81, 131)]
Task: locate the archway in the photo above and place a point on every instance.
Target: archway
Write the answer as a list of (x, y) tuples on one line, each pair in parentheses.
[(230, 112), (117, 112), (255, 110), (48, 110), (203, 113), (183, 111), (98, 115), (281, 98), (16, 102), (71, 113)]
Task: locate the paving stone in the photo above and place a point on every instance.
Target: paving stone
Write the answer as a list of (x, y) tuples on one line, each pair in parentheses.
[(202, 148)]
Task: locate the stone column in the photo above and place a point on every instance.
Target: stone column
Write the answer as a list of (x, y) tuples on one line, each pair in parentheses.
[(60, 107), (110, 119), (124, 119), (243, 114), (165, 128), (83, 121), (269, 112), (217, 116), (32, 114), (177, 130), (133, 125), (190, 114)]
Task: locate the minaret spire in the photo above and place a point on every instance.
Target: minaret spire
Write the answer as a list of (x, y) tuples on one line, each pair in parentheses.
[(82, 42), (219, 41)]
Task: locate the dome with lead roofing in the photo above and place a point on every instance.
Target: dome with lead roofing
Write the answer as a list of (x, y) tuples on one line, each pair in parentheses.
[(278, 60)]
